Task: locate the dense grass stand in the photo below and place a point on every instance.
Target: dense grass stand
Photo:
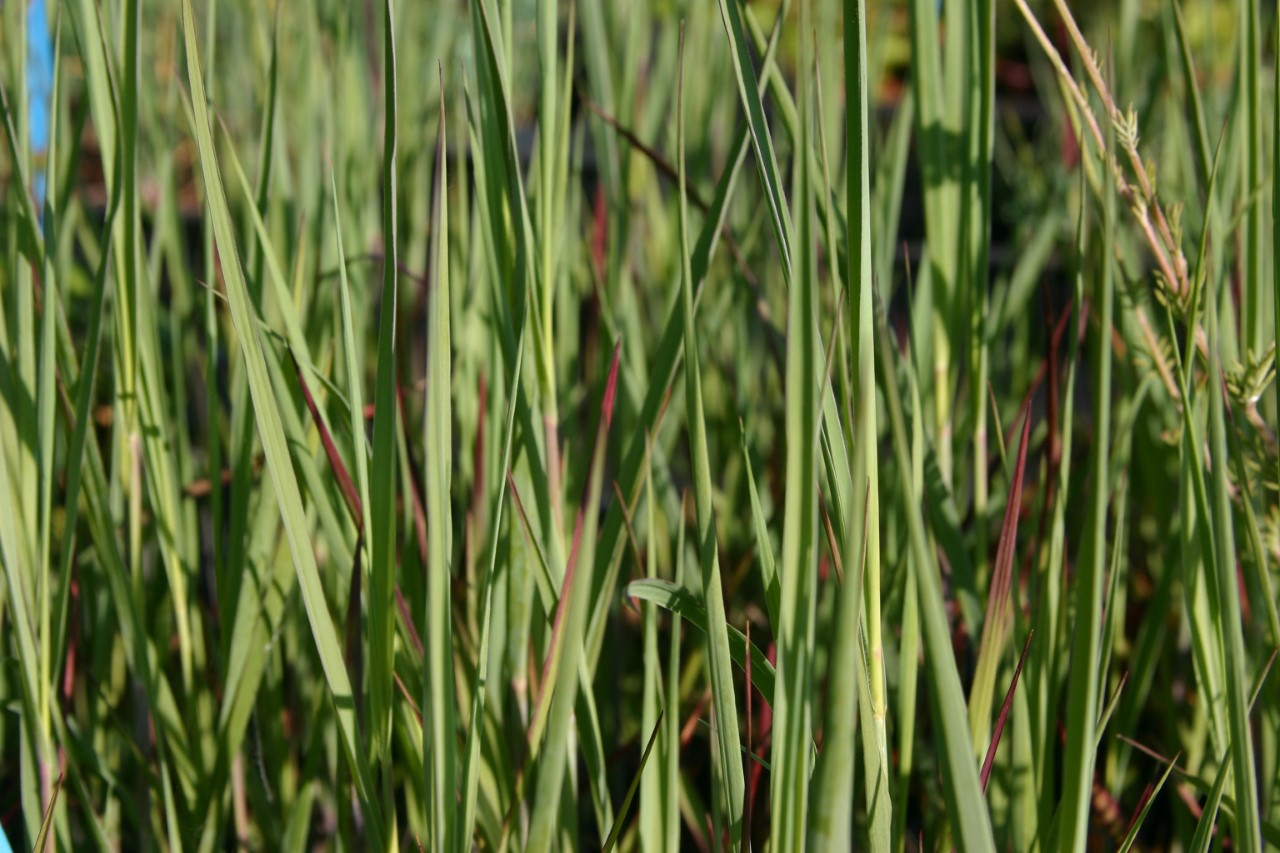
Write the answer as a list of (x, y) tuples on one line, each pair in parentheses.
[(563, 424)]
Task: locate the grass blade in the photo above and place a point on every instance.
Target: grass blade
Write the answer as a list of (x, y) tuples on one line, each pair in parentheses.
[(382, 483), (999, 610), (1247, 834), (439, 736), (729, 787), (274, 443), (832, 818), (679, 600), (567, 637), (1084, 682), (968, 817), (1148, 798), (631, 791), (796, 630)]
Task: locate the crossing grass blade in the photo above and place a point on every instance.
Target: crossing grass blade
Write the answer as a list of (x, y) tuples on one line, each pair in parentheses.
[(764, 546), (566, 643), (631, 791), (968, 818), (274, 443), (471, 754), (999, 612), (677, 599), (1208, 822), (1003, 716), (43, 837), (1148, 797), (761, 143)]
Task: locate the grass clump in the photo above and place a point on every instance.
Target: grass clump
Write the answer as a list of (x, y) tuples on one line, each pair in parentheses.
[(517, 425)]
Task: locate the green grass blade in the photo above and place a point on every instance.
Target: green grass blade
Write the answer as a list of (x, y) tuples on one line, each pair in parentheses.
[(1247, 834), (382, 483), (1000, 601), (671, 747), (274, 442), (789, 785), (679, 600), (1275, 219), (653, 804), (440, 744), (729, 786), (967, 813), (832, 817), (631, 791), (1148, 798), (1083, 685), (761, 142), (570, 625), (1249, 57), (764, 545)]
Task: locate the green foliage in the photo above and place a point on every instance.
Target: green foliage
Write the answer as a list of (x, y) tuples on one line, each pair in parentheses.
[(480, 443)]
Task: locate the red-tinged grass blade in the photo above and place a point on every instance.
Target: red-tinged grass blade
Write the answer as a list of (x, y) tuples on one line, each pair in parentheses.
[(352, 367), (414, 485), (345, 484), (631, 791), (562, 682), (628, 524), (970, 820), (1003, 716), (274, 443), (999, 612), (526, 523), (356, 508), (471, 754), (551, 663)]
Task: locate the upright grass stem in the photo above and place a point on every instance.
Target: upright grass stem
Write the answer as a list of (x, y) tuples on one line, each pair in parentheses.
[(548, 240), (796, 629), (831, 820), (1082, 691), (729, 785)]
